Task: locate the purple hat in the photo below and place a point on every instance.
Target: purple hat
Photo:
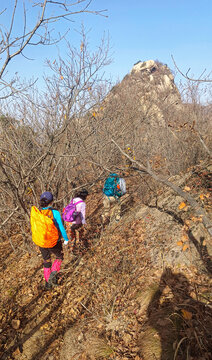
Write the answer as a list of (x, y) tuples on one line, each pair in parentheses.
[(47, 195)]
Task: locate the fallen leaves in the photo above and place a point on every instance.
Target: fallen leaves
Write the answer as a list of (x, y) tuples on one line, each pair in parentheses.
[(184, 242), (16, 324), (185, 247), (196, 219), (184, 237), (182, 205), (203, 196), (179, 243), (109, 266), (186, 314), (127, 338)]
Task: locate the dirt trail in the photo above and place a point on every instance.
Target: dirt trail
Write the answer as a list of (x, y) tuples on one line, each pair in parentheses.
[(116, 295)]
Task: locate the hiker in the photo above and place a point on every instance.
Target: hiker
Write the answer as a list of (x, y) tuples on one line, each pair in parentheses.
[(47, 230), (114, 188), (74, 217)]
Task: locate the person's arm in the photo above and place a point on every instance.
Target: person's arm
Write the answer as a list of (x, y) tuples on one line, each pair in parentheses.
[(58, 219)]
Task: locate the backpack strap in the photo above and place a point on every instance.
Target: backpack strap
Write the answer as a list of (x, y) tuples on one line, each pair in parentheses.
[(46, 209)]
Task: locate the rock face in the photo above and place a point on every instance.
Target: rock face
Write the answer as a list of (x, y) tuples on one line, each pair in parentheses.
[(176, 237), (148, 66), (152, 69), (159, 85), (145, 110), (151, 83)]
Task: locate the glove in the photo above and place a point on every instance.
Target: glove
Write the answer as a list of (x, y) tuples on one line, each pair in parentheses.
[(65, 242)]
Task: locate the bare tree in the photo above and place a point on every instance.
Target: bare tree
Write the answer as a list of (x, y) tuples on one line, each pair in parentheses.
[(138, 112), (193, 86), (46, 15), (48, 145), (194, 204), (63, 139)]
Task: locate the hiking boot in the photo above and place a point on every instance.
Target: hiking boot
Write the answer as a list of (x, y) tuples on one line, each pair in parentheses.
[(53, 279), (47, 286)]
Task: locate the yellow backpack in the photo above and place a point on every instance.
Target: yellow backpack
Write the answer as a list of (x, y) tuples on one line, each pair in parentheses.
[(44, 232)]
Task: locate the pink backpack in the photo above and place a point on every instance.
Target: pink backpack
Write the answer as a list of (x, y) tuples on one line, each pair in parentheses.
[(69, 212)]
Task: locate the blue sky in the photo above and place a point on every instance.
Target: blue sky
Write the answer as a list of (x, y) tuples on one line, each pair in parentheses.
[(138, 30)]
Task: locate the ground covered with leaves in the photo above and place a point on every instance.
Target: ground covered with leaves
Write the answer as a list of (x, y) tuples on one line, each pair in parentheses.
[(140, 290)]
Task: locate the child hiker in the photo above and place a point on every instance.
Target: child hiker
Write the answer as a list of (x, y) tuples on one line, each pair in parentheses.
[(47, 230), (74, 217)]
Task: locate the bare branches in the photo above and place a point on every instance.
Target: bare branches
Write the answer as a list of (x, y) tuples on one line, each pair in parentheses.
[(25, 38), (194, 204), (13, 42), (9, 217), (200, 79), (48, 143), (204, 144)]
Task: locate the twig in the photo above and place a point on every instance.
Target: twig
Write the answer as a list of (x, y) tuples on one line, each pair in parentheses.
[(186, 75), (8, 218)]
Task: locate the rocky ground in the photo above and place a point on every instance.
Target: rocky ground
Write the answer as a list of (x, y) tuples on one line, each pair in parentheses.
[(141, 290)]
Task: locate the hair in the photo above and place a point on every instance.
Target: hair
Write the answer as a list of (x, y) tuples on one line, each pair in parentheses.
[(44, 202), (82, 194)]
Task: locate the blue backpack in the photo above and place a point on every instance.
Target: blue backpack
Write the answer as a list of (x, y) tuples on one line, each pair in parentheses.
[(112, 186)]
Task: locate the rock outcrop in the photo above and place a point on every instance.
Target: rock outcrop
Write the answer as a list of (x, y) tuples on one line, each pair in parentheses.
[(152, 84), (160, 89)]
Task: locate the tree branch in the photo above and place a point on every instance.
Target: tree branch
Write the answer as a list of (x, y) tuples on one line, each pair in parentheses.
[(193, 203), (205, 80)]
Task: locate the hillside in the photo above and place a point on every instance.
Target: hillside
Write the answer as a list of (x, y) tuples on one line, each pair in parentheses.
[(141, 289), (147, 111), (138, 286)]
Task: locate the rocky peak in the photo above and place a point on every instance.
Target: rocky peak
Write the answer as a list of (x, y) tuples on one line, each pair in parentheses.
[(157, 73)]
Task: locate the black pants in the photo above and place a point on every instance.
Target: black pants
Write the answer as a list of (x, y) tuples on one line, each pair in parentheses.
[(57, 250)]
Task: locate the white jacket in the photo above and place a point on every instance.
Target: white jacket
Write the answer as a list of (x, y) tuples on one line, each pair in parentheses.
[(80, 208)]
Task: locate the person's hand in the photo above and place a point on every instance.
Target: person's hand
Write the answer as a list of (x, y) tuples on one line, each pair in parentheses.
[(65, 242)]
